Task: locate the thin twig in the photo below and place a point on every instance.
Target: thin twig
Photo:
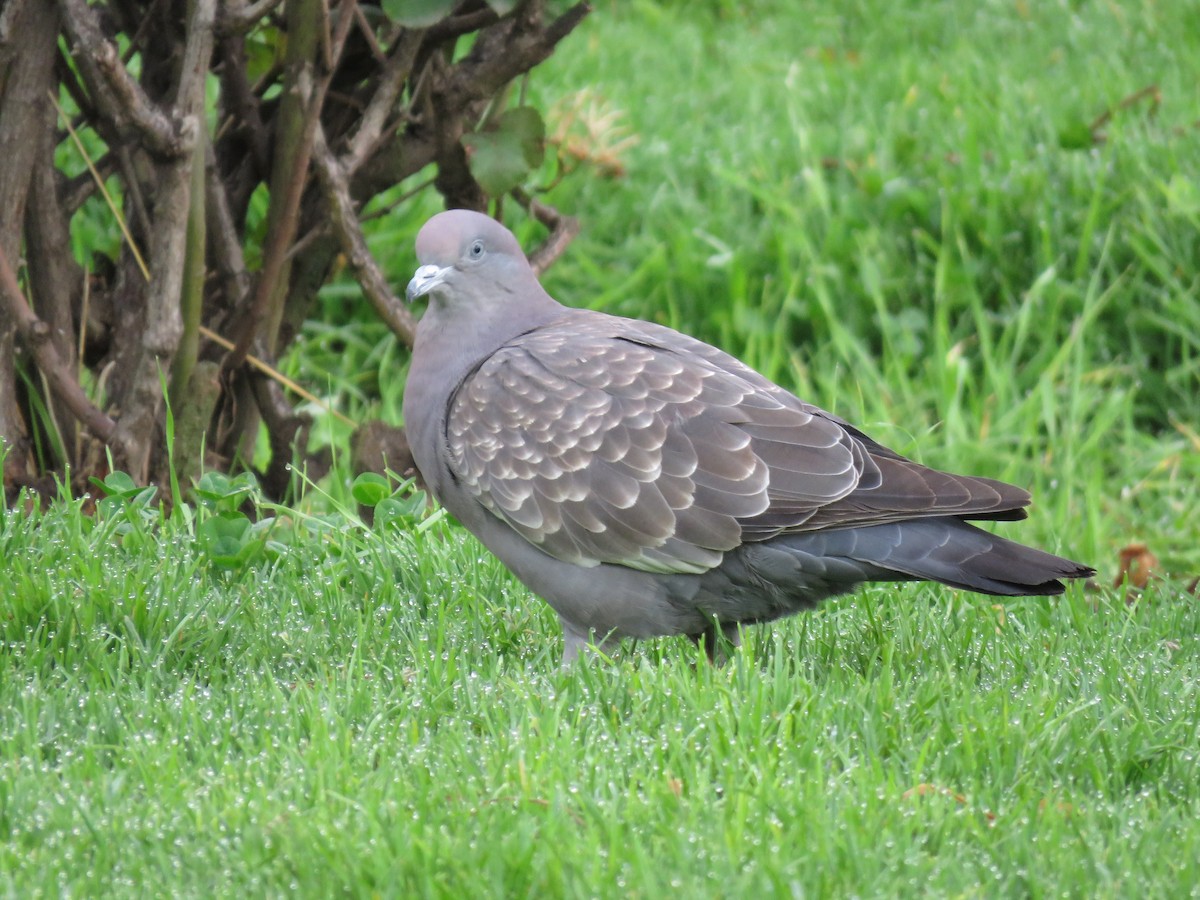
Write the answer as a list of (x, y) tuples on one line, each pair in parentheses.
[(563, 230), (391, 82), (224, 245), (274, 373), (341, 32), (243, 18), (500, 55), (75, 190), (133, 188), (1151, 91), (368, 34), (84, 312), (241, 101), (306, 240), (116, 92), (312, 97), (36, 335), (381, 212), (457, 26), (349, 234), (279, 237), (133, 247)]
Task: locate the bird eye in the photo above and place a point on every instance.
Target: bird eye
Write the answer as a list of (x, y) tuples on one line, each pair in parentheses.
[(476, 250)]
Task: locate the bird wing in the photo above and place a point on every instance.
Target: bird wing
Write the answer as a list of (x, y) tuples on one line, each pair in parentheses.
[(597, 447), (890, 487), (603, 440)]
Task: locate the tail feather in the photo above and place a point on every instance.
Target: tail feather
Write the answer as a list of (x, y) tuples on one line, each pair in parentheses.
[(761, 581), (960, 555)]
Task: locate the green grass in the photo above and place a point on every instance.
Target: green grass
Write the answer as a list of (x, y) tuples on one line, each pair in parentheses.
[(888, 209), (383, 713)]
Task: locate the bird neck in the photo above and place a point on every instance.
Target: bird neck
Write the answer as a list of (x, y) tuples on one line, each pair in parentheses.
[(449, 345), (466, 333)]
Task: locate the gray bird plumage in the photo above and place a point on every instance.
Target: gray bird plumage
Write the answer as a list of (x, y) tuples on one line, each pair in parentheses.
[(645, 483)]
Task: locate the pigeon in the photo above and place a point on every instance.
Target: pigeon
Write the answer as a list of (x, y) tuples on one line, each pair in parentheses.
[(644, 483)]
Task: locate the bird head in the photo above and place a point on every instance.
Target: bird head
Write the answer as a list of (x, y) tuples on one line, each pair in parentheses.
[(461, 252)]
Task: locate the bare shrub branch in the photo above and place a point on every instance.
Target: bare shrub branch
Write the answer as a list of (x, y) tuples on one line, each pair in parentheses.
[(36, 335), (354, 245), (232, 150)]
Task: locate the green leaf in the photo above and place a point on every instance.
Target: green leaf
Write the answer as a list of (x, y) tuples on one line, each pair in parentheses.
[(369, 488), (143, 496), (415, 503), (229, 540), (223, 493), (502, 156), (392, 513), (264, 49), (215, 485), (222, 534), (110, 507), (1076, 136), (116, 484), (417, 13)]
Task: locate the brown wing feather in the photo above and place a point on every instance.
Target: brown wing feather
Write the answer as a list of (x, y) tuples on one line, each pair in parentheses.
[(611, 440), (599, 448), (890, 487)]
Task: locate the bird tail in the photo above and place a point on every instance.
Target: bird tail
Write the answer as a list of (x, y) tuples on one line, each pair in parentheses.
[(943, 548), (961, 555)]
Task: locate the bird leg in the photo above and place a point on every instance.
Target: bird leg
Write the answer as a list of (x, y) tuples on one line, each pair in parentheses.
[(576, 640), (718, 640)]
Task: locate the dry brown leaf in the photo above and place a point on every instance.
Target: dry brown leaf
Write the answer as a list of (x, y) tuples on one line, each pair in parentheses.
[(587, 128), (1136, 566)]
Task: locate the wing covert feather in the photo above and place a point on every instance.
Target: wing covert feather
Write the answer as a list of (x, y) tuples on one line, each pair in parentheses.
[(607, 440), (599, 448)]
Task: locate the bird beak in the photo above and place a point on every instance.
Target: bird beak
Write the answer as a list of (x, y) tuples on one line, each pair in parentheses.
[(424, 280)]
